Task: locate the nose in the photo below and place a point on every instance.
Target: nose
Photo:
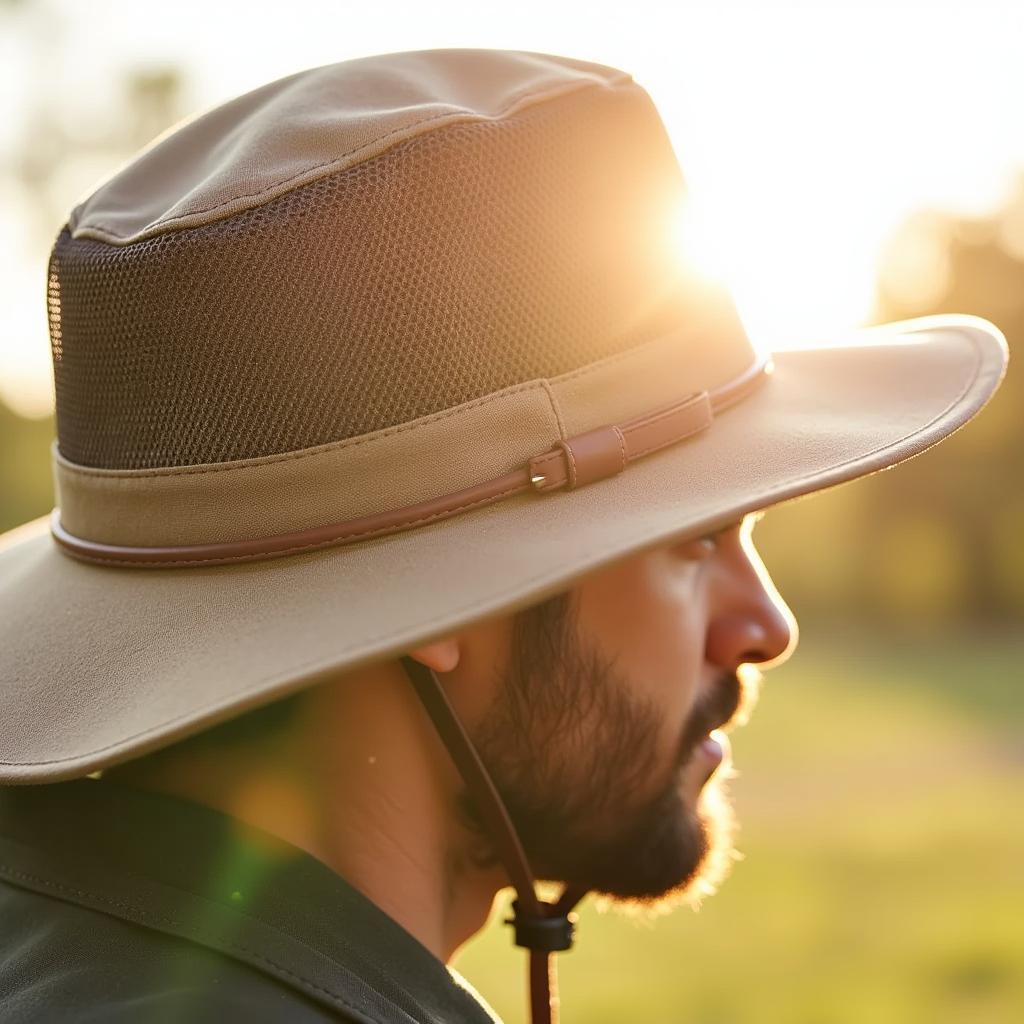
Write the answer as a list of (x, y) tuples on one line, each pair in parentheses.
[(750, 622)]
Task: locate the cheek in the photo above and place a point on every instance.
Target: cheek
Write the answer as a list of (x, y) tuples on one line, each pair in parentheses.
[(647, 615)]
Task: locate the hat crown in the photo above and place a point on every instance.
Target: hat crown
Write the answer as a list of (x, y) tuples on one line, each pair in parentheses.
[(359, 245)]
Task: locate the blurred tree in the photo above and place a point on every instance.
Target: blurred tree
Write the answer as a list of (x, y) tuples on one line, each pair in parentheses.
[(59, 153), (956, 523), (26, 486)]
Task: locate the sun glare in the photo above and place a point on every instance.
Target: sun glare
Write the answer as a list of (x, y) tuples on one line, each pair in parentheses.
[(695, 244), (792, 285)]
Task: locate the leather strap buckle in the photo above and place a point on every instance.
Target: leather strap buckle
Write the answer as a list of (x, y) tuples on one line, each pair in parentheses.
[(580, 460), (603, 452)]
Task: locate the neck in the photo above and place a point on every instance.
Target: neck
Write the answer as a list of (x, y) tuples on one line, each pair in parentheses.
[(364, 785)]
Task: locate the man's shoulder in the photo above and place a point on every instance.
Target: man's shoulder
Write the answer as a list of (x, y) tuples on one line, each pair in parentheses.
[(63, 962), (123, 898)]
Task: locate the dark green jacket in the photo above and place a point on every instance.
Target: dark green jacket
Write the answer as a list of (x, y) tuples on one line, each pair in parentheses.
[(123, 905)]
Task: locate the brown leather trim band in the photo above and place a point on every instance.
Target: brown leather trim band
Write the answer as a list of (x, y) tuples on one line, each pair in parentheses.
[(572, 463)]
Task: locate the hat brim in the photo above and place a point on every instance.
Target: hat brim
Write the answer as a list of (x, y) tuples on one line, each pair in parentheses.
[(101, 664)]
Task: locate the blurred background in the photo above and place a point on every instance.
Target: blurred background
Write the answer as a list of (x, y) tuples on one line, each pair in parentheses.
[(849, 164)]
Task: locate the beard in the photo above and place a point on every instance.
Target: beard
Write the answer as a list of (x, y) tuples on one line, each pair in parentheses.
[(573, 753)]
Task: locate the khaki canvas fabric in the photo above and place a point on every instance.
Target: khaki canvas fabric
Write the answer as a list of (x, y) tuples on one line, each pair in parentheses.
[(100, 663), (276, 138)]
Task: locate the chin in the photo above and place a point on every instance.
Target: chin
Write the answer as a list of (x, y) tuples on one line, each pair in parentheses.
[(683, 861)]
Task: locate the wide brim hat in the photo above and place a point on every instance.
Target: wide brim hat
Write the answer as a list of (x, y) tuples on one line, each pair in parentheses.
[(269, 470)]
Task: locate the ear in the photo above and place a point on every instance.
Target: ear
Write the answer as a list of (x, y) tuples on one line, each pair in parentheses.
[(441, 655)]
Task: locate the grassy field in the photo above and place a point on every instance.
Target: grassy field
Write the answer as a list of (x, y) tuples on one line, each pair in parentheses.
[(881, 798)]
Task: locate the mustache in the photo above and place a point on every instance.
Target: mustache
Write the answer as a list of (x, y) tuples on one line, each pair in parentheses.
[(718, 706)]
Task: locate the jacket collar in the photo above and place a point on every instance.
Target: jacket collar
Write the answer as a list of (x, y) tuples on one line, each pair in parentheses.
[(188, 870)]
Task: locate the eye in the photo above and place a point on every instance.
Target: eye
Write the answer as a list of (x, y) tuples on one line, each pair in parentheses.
[(699, 547)]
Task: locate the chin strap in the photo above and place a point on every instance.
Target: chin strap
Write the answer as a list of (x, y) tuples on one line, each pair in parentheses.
[(541, 927)]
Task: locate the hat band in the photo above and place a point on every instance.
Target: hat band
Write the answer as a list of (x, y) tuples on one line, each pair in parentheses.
[(572, 462)]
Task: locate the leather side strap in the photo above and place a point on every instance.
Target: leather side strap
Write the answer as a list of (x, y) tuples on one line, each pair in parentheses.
[(533, 918), (606, 451), (471, 768)]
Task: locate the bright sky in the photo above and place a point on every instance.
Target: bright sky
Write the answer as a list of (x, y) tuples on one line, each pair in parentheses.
[(807, 131)]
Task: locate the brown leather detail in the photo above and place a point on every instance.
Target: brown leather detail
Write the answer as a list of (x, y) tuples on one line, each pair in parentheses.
[(573, 462), (603, 452), (668, 426), (293, 543), (500, 831), (585, 458), (486, 797)]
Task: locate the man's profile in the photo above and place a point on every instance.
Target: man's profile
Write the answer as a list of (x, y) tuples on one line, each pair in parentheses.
[(592, 710), (403, 545)]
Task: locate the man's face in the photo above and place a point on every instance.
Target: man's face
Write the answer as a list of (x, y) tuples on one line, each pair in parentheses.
[(593, 732)]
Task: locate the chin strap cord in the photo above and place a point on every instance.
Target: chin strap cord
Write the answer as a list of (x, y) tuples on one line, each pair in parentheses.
[(541, 927)]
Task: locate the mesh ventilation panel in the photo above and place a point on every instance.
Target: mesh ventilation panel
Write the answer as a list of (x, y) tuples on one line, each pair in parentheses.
[(476, 256)]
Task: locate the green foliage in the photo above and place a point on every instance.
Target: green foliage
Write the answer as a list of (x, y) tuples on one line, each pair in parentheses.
[(26, 484), (967, 494)]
